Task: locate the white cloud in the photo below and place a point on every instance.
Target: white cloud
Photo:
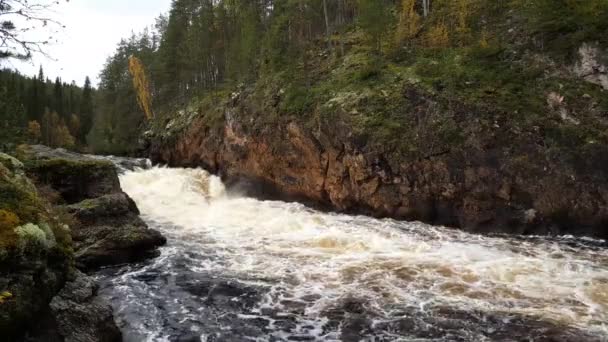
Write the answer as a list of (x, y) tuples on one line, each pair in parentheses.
[(93, 30)]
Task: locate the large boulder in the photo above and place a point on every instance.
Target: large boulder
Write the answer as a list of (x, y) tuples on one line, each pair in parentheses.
[(110, 232), (81, 315), (76, 314), (107, 229), (73, 176)]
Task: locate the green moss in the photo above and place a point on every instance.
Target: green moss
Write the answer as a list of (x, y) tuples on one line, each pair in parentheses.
[(4, 296), (19, 200), (297, 100), (68, 167), (8, 237), (24, 216), (11, 163), (88, 204)]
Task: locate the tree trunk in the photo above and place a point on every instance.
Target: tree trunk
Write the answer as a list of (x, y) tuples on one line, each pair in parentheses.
[(327, 28)]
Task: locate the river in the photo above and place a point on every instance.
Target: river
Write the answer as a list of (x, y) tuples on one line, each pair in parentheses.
[(240, 269)]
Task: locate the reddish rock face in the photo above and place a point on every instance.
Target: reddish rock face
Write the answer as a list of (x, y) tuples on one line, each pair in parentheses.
[(481, 190)]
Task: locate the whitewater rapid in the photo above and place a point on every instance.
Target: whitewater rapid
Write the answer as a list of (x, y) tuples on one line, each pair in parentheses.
[(238, 269)]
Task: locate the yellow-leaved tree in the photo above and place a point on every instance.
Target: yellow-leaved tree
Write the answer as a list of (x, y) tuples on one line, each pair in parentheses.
[(409, 22), (438, 36), (34, 132), (55, 132), (141, 85), (463, 14)]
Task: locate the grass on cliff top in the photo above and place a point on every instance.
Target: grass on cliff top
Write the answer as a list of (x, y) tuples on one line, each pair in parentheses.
[(506, 89)]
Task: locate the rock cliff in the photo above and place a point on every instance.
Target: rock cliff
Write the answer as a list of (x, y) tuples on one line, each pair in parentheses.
[(497, 177), (59, 212)]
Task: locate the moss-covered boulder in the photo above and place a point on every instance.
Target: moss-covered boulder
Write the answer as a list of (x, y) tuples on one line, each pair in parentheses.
[(36, 257), (106, 228), (73, 176), (110, 231)]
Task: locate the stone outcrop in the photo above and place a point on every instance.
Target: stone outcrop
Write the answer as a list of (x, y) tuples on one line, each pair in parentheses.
[(110, 232), (500, 180), (590, 67), (35, 250), (58, 211), (77, 314), (107, 229)]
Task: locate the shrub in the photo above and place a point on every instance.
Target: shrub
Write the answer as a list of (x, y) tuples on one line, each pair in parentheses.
[(8, 238), (31, 235), (4, 296), (8, 220), (565, 24)]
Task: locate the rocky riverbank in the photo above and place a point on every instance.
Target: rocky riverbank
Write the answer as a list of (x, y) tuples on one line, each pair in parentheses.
[(486, 172), (61, 212)]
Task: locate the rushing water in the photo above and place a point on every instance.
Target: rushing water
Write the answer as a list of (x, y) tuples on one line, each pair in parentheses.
[(239, 269)]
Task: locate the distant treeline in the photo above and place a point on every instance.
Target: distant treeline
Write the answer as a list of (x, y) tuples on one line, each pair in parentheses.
[(38, 110)]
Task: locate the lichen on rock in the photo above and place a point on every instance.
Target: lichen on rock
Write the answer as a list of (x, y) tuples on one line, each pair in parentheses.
[(33, 235)]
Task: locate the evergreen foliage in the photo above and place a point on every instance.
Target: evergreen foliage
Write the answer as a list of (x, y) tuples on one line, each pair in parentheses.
[(482, 51), (35, 109)]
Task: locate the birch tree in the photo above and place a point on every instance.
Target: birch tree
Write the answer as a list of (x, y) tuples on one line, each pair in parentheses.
[(426, 7)]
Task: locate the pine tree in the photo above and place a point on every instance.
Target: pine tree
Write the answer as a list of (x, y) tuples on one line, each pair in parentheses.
[(86, 110), (58, 98), (373, 20)]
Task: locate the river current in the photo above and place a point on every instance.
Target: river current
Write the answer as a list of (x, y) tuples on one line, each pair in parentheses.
[(240, 269)]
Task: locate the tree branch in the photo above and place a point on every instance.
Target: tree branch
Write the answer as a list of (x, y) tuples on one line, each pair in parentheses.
[(13, 44)]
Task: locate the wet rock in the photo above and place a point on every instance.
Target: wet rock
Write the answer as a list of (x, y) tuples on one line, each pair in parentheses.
[(81, 315), (125, 164), (107, 229), (78, 314)]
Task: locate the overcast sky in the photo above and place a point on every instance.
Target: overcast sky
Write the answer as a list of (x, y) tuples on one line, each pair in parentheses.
[(93, 29)]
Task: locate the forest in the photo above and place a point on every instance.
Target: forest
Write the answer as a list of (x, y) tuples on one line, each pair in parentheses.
[(38, 110), (202, 49)]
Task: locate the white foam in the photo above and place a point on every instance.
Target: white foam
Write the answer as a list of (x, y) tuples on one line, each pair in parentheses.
[(333, 256)]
